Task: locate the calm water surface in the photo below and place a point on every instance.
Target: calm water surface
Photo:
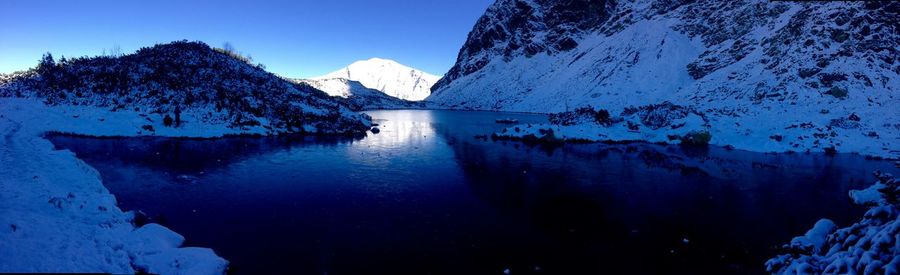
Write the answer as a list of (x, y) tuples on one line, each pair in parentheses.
[(425, 196)]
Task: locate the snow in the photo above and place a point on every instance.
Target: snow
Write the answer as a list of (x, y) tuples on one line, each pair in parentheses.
[(358, 97), (747, 99), (212, 87), (55, 213), (869, 196), (388, 76), (815, 237), (673, 123), (869, 246)]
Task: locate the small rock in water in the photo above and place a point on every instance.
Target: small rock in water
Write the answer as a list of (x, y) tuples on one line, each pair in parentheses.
[(506, 271), (685, 241), (375, 130), (140, 218)]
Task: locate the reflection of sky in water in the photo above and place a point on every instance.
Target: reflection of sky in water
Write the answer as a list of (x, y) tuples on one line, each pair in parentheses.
[(393, 159), (405, 138), (411, 129)]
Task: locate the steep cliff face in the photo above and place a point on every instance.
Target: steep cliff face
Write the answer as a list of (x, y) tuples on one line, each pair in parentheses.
[(755, 68), (511, 28)]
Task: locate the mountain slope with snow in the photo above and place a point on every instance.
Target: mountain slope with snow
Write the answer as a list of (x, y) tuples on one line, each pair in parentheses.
[(815, 75), (208, 87), (388, 76), (358, 97)]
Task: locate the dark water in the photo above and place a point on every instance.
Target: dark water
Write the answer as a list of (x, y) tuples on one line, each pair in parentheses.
[(426, 197)]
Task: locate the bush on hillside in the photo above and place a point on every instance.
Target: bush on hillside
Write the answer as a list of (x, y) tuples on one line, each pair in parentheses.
[(580, 116), (696, 138), (187, 74)]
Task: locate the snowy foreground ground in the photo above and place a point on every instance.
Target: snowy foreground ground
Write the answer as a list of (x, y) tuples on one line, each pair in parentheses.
[(55, 213), (870, 246)]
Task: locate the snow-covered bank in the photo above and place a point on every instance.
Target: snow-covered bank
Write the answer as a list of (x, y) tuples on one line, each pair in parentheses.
[(669, 123), (868, 247), (55, 213)]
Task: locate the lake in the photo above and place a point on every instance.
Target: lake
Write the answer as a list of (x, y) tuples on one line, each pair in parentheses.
[(426, 196)]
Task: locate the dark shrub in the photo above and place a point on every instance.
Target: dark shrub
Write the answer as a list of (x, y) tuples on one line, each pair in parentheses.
[(696, 138), (577, 116), (657, 116), (580, 116), (837, 92), (807, 72), (178, 116), (167, 121), (602, 117)]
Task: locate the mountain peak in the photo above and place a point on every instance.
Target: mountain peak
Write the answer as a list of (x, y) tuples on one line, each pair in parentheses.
[(388, 76), (379, 60)]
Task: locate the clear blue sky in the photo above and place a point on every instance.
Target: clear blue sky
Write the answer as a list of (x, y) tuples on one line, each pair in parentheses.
[(299, 38)]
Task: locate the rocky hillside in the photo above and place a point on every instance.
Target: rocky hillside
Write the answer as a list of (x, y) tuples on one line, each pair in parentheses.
[(815, 75), (358, 97), (211, 86), (392, 78)]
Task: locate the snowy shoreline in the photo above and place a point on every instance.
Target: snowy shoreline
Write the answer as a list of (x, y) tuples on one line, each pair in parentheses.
[(55, 213), (867, 247), (672, 124), (57, 216), (575, 134)]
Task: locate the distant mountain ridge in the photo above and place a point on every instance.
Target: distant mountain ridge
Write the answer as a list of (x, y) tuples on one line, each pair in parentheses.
[(359, 97), (191, 77), (812, 75), (388, 76)]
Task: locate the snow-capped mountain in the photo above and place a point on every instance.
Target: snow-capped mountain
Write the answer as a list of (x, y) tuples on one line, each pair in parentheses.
[(388, 76), (359, 97), (815, 75), (209, 86)]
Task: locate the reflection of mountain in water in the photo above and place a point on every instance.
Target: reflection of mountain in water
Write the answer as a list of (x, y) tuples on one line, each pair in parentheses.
[(186, 155), (687, 209)]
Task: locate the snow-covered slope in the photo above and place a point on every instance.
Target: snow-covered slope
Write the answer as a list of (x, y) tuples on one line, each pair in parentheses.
[(55, 212), (358, 97), (208, 86), (388, 76), (818, 74)]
